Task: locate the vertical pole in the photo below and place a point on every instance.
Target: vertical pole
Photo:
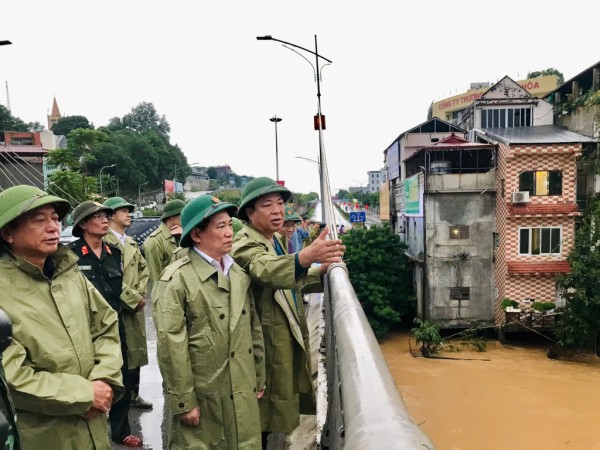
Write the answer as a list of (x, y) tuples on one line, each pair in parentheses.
[(276, 153), (321, 159)]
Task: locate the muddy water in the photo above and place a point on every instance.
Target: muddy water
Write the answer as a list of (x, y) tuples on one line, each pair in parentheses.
[(519, 400)]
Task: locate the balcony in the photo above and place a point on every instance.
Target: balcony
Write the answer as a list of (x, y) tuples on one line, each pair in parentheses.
[(454, 182)]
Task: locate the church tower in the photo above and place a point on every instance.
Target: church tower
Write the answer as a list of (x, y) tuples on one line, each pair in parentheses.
[(54, 115)]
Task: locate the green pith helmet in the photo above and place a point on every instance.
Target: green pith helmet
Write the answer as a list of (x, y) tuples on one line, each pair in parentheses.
[(199, 209), (172, 208), (18, 200), (115, 203), (257, 188), (291, 216), (83, 210), (237, 225)]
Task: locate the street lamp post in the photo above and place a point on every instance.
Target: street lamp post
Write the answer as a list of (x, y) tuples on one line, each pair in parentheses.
[(276, 120), (319, 119), (105, 167), (140, 194)]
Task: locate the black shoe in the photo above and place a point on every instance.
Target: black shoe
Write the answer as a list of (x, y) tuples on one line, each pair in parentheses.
[(139, 403)]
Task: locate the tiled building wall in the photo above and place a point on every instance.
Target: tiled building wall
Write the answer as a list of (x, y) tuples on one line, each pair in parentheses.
[(566, 223), (500, 268), (539, 288), (511, 162)]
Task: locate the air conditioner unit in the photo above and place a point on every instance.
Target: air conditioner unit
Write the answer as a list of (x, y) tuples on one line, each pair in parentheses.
[(520, 197)]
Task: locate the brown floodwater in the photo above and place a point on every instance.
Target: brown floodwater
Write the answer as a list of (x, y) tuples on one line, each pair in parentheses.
[(518, 400)]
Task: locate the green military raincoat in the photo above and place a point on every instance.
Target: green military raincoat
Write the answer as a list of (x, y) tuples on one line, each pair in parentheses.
[(159, 248), (287, 354), (135, 280), (65, 335), (211, 354)]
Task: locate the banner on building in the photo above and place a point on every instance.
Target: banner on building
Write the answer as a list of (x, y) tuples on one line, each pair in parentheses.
[(172, 186), (413, 196)]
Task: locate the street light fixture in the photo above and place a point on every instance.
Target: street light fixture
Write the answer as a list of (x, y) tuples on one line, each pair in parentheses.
[(276, 120), (319, 118), (140, 194), (5, 43), (308, 159), (105, 167)]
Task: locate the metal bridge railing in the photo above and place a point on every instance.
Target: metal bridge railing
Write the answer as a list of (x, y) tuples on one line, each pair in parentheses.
[(364, 407)]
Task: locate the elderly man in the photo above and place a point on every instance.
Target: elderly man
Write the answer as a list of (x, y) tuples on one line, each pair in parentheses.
[(162, 242), (100, 262), (135, 279), (210, 344), (63, 368), (278, 278)]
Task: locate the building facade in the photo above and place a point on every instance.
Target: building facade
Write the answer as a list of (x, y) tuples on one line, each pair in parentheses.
[(375, 178), (448, 224), (536, 203)]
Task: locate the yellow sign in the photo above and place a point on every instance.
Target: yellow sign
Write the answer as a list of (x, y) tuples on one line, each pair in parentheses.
[(539, 87)]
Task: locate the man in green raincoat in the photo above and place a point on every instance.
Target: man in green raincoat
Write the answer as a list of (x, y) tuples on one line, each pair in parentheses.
[(210, 344), (162, 242), (135, 280), (278, 280), (64, 365)]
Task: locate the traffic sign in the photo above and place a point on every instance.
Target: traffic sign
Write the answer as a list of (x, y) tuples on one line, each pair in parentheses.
[(359, 216)]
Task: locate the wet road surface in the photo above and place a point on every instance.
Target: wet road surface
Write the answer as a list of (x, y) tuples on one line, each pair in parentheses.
[(149, 423)]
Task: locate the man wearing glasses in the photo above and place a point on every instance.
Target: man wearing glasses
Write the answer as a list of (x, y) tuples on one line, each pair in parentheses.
[(100, 262)]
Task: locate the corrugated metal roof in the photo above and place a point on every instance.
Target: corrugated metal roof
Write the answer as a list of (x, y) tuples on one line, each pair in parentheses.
[(34, 150), (543, 134)]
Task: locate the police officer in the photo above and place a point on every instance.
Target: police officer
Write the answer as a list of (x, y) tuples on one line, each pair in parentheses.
[(63, 366), (135, 279), (162, 242), (100, 262)]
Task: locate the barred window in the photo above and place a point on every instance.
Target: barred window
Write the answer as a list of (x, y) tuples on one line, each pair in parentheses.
[(460, 293), (459, 232)]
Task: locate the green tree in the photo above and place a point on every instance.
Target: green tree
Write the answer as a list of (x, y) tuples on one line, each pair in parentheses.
[(212, 173), (580, 322), (230, 196), (380, 274), (65, 125), (428, 335), (144, 117), (343, 194), (78, 155), (69, 185), (35, 126), (10, 123), (546, 72)]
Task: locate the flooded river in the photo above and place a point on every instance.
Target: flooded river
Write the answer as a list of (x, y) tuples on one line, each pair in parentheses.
[(518, 400)]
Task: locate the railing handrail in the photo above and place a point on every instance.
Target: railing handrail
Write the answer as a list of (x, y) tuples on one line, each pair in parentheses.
[(373, 411)]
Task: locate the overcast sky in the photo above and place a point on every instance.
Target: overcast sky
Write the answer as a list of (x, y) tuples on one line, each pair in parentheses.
[(201, 66)]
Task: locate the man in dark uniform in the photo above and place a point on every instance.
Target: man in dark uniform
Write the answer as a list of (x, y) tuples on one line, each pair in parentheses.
[(100, 262)]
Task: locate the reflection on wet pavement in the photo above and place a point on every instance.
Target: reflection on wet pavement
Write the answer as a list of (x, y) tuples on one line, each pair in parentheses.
[(149, 423)]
